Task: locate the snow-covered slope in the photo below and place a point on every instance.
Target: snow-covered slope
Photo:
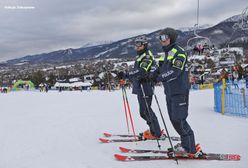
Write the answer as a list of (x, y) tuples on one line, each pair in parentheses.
[(234, 18), (61, 130)]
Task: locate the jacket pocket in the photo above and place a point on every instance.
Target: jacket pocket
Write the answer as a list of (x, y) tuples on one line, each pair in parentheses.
[(179, 107)]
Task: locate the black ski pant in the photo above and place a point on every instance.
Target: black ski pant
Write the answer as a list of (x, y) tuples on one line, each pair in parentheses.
[(177, 107), (148, 115)]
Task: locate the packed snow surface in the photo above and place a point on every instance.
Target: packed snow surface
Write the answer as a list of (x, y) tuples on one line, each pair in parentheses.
[(61, 130)]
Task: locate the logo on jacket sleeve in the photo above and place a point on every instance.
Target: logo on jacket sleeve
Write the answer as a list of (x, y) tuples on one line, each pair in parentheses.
[(178, 64)]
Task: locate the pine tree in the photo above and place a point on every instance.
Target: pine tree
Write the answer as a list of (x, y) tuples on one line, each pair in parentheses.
[(37, 78)]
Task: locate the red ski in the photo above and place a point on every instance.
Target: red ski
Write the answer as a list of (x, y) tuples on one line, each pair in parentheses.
[(119, 135), (119, 140), (127, 150), (130, 138), (208, 156)]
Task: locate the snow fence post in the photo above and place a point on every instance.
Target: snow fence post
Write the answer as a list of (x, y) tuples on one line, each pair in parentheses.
[(223, 96)]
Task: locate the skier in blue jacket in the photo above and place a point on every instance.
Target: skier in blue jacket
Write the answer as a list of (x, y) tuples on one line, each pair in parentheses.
[(139, 76), (174, 75)]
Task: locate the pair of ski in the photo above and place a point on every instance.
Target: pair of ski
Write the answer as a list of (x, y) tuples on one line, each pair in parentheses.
[(206, 156), (130, 138)]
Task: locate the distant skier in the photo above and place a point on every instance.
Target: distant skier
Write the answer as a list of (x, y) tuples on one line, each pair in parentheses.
[(235, 79), (174, 74), (206, 48), (139, 76), (5, 90), (235, 83), (60, 89), (27, 87), (41, 87), (46, 87), (199, 48)]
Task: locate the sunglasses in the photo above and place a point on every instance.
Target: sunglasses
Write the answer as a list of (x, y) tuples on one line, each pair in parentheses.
[(138, 44), (163, 37)]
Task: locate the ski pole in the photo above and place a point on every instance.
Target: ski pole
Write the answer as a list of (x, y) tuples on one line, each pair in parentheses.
[(167, 132), (125, 107), (130, 115), (148, 110)]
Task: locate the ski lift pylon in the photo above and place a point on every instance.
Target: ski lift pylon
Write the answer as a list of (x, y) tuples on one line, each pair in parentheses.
[(245, 19), (243, 22)]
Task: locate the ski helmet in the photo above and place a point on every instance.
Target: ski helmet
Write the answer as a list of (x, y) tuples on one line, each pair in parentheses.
[(171, 33), (141, 39)]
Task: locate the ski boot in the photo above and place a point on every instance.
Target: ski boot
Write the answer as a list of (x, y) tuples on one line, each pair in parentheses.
[(179, 151), (147, 135)]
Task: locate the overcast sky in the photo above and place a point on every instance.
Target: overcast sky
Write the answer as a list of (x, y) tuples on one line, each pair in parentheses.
[(35, 26)]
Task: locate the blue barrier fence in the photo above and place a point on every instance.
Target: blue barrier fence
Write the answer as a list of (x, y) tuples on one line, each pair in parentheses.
[(235, 99)]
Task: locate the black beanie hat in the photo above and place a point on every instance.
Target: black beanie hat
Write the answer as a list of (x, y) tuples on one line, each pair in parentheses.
[(172, 33)]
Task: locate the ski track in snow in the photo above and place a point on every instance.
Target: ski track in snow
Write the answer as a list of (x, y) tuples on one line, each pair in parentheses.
[(61, 130)]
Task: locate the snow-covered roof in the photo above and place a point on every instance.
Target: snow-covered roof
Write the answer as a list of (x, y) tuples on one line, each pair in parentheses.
[(243, 65), (199, 57), (237, 49), (128, 63), (220, 70), (75, 84), (216, 73), (64, 66), (74, 79), (47, 69), (78, 84), (90, 75), (101, 75), (231, 62)]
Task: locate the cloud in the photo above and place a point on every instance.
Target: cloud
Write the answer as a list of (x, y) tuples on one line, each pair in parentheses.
[(60, 24)]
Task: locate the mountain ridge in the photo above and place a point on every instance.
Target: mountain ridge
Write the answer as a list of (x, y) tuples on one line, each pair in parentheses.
[(220, 35)]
